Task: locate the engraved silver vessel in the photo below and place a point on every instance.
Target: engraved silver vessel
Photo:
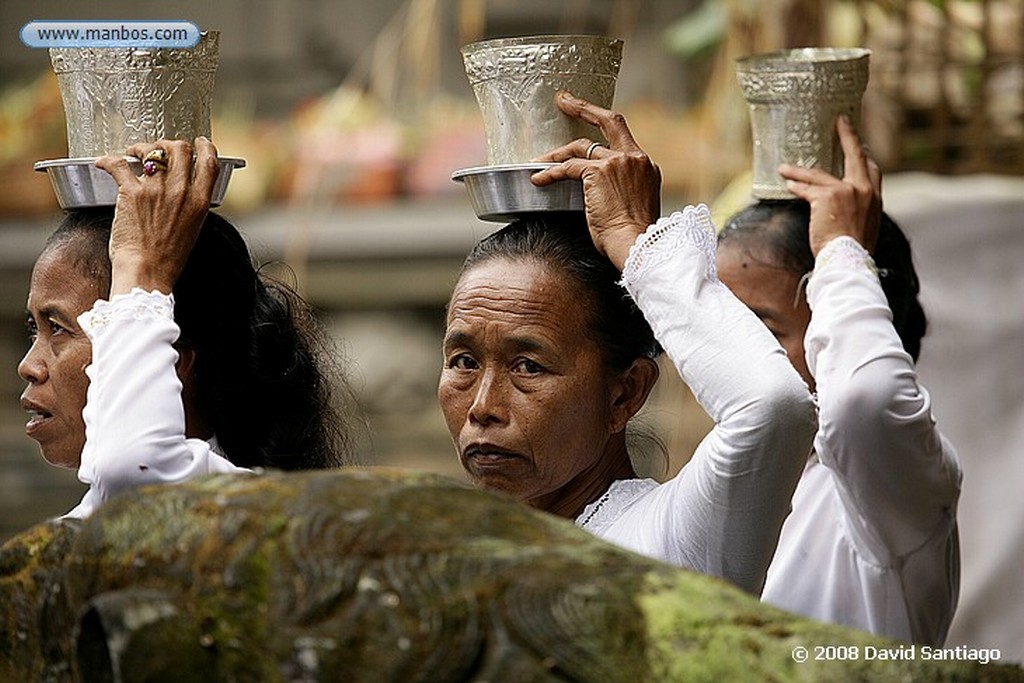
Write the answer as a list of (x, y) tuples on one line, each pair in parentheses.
[(794, 98), (515, 81), (115, 97)]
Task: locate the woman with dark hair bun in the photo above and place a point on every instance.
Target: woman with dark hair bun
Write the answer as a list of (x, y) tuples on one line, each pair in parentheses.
[(160, 353), (552, 331), (872, 538)]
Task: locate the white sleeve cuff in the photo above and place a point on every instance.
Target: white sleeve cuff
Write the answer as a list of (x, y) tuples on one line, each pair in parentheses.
[(138, 304), (845, 252), (690, 228)]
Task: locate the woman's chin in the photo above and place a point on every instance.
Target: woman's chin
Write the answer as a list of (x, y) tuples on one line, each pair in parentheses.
[(488, 481), (61, 458)]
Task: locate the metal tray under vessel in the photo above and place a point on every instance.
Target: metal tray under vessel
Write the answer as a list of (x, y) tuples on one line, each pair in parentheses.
[(504, 193), (78, 183)]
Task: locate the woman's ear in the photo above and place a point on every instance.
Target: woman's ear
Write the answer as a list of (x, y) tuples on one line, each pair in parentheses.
[(185, 365), (196, 425), (629, 391)]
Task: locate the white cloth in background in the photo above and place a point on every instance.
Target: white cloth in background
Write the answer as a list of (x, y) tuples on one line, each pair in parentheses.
[(134, 417), (723, 512), (872, 539), (969, 249)]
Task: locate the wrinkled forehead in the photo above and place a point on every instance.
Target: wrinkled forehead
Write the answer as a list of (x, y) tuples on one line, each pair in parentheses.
[(524, 291), (79, 253), (58, 286)]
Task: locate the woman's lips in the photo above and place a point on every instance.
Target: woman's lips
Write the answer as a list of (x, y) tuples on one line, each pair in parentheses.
[(38, 417), (486, 454)]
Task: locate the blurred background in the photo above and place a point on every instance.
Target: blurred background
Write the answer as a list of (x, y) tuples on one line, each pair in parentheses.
[(353, 115)]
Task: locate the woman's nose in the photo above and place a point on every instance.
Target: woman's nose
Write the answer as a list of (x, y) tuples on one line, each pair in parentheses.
[(489, 404), (32, 368)]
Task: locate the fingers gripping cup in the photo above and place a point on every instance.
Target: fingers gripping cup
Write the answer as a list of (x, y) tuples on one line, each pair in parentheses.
[(794, 97)]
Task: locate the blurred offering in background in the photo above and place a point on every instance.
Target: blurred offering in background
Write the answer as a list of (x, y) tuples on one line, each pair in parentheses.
[(31, 128)]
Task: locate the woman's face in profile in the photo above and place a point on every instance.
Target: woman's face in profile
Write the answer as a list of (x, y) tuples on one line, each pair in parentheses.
[(523, 390), (54, 366), (774, 294)]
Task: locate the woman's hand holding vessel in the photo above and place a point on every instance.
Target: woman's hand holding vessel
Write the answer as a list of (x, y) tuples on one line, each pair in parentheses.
[(621, 185), (851, 206), (158, 214)]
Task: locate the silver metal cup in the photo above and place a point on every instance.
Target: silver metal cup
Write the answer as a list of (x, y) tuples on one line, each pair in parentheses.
[(515, 81), (794, 97), (114, 97)]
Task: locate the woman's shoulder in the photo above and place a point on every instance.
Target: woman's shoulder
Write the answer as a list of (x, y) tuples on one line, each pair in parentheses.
[(609, 507)]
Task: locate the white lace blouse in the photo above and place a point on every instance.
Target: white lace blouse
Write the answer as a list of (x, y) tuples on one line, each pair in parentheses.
[(872, 539), (723, 512), (134, 417)]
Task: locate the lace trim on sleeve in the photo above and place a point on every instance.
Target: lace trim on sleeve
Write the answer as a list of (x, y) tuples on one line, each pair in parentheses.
[(136, 305), (845, 252), (691, 227), (609, 507)]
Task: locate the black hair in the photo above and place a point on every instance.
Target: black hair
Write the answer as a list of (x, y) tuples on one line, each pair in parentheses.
[(264, 371), (562, 242), (780, 226)]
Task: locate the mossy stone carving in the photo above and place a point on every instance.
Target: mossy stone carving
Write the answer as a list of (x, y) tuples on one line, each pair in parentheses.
[(380, 575)]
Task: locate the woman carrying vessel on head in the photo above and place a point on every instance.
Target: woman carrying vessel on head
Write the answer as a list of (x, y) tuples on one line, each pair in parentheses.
[(547, 358), (159, 353)]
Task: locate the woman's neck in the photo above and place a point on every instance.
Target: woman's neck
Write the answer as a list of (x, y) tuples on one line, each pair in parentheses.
[(589, 485)]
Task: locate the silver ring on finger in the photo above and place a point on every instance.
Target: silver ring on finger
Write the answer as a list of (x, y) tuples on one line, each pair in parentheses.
[(592, 147)]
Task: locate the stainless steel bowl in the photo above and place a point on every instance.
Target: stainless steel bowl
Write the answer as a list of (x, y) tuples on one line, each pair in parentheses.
[(79, 184), (504, 193)]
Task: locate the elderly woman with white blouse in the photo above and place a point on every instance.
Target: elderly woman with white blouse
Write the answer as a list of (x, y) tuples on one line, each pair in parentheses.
[(547, 358)]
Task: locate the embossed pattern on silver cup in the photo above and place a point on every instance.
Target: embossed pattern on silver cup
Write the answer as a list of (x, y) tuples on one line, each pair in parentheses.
[(515, 80), (115, 97), (794, 97)]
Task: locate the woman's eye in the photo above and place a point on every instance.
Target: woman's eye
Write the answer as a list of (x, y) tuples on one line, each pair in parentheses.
[(528, 367), (55, 327), (462, 362)]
